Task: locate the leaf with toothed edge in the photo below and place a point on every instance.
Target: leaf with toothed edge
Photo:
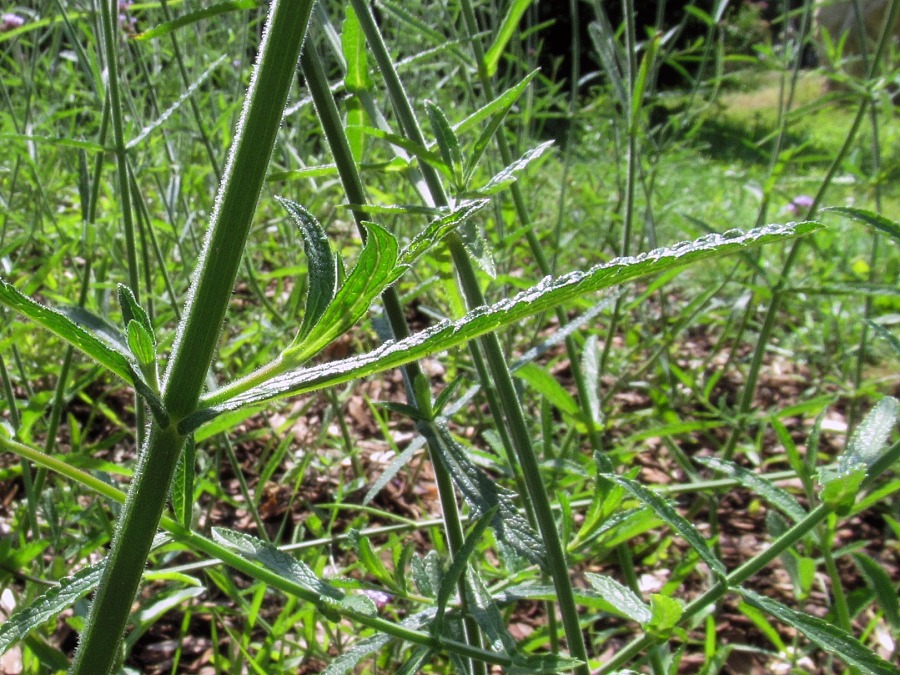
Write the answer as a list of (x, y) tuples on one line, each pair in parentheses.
[(91, 335), (546, 295), (322, 277)]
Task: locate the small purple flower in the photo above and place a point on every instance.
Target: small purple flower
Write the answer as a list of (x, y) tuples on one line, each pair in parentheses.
[(10, 21), (798, 203), (379, 598)]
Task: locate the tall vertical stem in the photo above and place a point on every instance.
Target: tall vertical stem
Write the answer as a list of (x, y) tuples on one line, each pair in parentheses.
[(197, 333)]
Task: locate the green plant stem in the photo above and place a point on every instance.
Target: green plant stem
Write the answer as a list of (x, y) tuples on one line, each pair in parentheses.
[(557, 564), (330, 119), (756, 564), (221, 554), (749, 390), (197, 334)]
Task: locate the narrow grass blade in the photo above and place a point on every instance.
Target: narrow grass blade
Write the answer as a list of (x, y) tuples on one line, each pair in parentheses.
[(504, 34), (825, 635), (193, 17), (48, 605), (675, 520)]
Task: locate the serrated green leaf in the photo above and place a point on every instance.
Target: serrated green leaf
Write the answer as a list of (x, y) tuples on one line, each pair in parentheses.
[(841, 483), (504, 34), (48, 605), (447, 141), (458, 567), (884, 587), (278, 561), (774, 495), (141, 344), (542, 663), (487, 615), (427, 573), (871, 437), (132, 310), (483, 494), (107, 352), (622, 600), (375, 270), (825, 635), (546, 295), (497, 110), (361, 604), (353, 44), (666, 613), (666, 512), (508, 175), (322, 277), (348, 660), (876, 220)]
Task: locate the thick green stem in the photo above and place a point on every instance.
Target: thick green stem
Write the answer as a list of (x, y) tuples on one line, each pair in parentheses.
[(515, 419), (329, 117), (197, 334)]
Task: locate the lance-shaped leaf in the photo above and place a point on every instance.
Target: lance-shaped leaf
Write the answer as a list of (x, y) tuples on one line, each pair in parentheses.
[(112, 354), (510, 173), (496, 110), (288, 567), (827, 636), (546, 295), (353, 45), (841, 484), (447, 141), (48, 605), (458, 567), (675, 520), (619, 599), (773, 494), (440, 227), (484, 495), (876, 220), (322, 277), (375, 270)]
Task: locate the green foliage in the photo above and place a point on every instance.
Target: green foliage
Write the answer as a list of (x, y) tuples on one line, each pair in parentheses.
[(566, 413)]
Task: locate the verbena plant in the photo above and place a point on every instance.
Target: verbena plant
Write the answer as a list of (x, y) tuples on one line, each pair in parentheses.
[(452, 611)]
